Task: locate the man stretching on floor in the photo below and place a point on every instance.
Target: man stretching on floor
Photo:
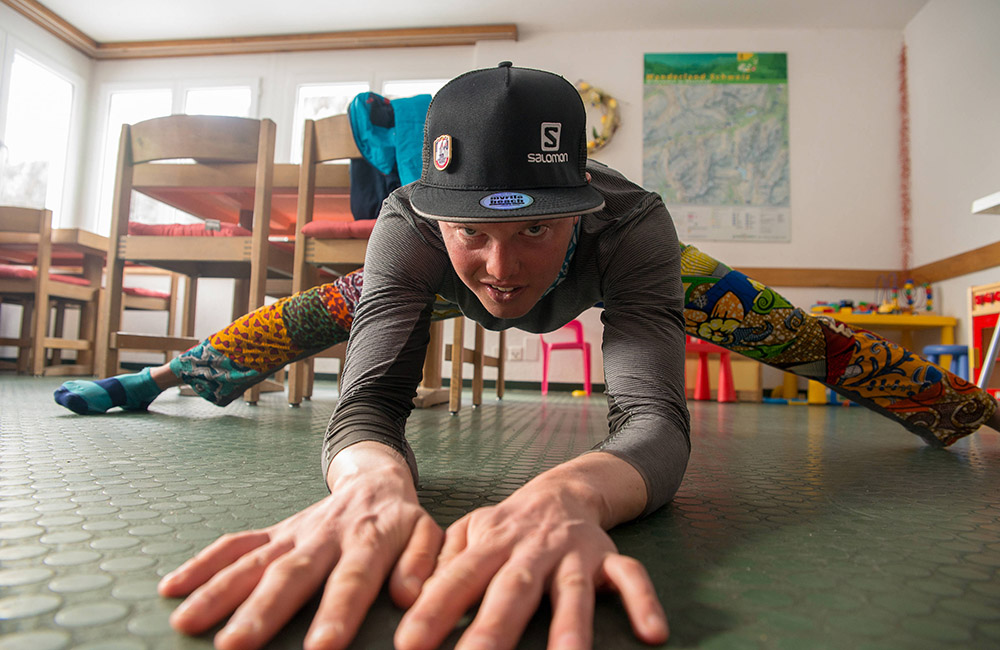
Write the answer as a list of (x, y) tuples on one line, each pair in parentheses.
[(511, 224)]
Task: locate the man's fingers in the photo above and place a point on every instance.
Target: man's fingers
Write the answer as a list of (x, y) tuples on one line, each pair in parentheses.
[(510, 601), (416, 563), (288, 582), (629, 578), (350, 591), (221, 595), (212, 559), (446, 596), (572, 595), (455, 540)]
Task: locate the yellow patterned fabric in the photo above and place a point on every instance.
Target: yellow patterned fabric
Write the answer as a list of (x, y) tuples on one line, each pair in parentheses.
[(725, 307), (257, 340)]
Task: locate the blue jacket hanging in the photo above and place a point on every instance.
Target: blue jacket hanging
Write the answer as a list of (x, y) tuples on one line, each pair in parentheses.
[(390, 134)]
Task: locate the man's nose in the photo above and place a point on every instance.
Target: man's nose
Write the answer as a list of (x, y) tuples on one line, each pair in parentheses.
[(502, 261)]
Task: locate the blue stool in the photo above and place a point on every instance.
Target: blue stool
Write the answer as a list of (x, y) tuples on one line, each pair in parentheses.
[(959, 357)]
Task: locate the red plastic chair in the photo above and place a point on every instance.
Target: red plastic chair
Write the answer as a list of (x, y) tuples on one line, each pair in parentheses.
[(702, 389), (577, 344)]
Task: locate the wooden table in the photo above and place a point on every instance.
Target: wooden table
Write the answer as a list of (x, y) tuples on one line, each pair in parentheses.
[(70, 247), (224, 194), (79, 249)]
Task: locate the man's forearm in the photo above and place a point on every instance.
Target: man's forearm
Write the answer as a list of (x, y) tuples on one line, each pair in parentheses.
[(611, 488)]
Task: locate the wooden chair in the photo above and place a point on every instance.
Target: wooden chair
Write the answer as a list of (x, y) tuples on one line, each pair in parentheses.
[(141, 299), (339, 246), (37, 290), (134, 299), (232, 174), (478, 358), (334, 246)]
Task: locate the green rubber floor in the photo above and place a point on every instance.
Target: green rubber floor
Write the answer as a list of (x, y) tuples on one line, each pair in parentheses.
[(796, 527)]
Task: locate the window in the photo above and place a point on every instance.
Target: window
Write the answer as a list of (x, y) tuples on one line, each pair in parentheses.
[(234, 101), (127, 107), (316, 101), (411, 87), (36, 137)]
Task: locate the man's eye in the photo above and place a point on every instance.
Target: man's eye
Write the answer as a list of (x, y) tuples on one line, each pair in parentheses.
[(470, 232), (534, 231)]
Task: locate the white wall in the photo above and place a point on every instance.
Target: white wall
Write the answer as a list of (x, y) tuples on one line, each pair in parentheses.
[(843, 137), (954, 63)]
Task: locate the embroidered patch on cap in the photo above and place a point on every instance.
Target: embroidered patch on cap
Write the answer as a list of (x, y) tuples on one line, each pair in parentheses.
[(506, 201), (442, 152)]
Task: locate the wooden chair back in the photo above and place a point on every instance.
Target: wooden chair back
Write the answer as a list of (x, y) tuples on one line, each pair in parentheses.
[(204, 138), (330, 138), (207, 139), (28, 227), (323, 140)]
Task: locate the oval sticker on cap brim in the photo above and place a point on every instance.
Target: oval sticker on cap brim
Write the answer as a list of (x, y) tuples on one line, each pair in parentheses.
[(506, 201)]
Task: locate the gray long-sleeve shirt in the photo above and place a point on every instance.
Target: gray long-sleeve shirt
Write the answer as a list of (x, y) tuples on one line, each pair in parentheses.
[(627, 257)]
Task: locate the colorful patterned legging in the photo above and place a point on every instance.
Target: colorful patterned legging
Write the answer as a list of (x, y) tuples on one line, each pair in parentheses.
[(721, 305)]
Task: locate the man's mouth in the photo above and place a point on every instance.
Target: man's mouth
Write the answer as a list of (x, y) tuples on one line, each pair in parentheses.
[(502, 294)]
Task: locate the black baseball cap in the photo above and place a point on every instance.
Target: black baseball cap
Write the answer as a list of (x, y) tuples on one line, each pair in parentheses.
[(505, 144)]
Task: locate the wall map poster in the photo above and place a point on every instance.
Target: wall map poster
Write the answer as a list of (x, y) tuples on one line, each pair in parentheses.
[(715, 143)]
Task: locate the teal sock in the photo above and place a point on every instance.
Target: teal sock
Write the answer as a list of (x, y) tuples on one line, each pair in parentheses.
[(132, 392)]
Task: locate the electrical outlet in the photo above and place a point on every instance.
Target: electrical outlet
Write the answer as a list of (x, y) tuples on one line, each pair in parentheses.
[(515, 353), (531, 349)]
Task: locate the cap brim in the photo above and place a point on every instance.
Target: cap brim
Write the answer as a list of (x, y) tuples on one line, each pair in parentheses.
[(465, 206)]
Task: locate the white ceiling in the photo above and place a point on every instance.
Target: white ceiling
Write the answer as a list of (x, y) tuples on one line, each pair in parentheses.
[(137, 20)]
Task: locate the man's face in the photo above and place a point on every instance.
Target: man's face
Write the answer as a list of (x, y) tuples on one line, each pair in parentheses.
[(508, 265)]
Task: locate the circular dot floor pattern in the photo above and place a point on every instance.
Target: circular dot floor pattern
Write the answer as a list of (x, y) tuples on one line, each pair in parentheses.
[(795, 527)]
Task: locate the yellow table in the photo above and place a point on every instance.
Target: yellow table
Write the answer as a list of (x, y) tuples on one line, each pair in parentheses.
[(905, 324)]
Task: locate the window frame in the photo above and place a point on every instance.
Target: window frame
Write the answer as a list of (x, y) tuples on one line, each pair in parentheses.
[(10, 46)]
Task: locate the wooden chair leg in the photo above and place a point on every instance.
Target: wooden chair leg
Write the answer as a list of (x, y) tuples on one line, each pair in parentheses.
[(24, 351), (88, 330), (296, 379), (93, 270), (107, 365), (501, 363), (40, 330), (311, 378), (477, 366), (457, 352), (58, 330)]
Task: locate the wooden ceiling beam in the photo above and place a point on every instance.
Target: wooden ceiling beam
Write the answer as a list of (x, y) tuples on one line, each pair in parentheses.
[(53, 23), (373, 38), (381, 38)]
